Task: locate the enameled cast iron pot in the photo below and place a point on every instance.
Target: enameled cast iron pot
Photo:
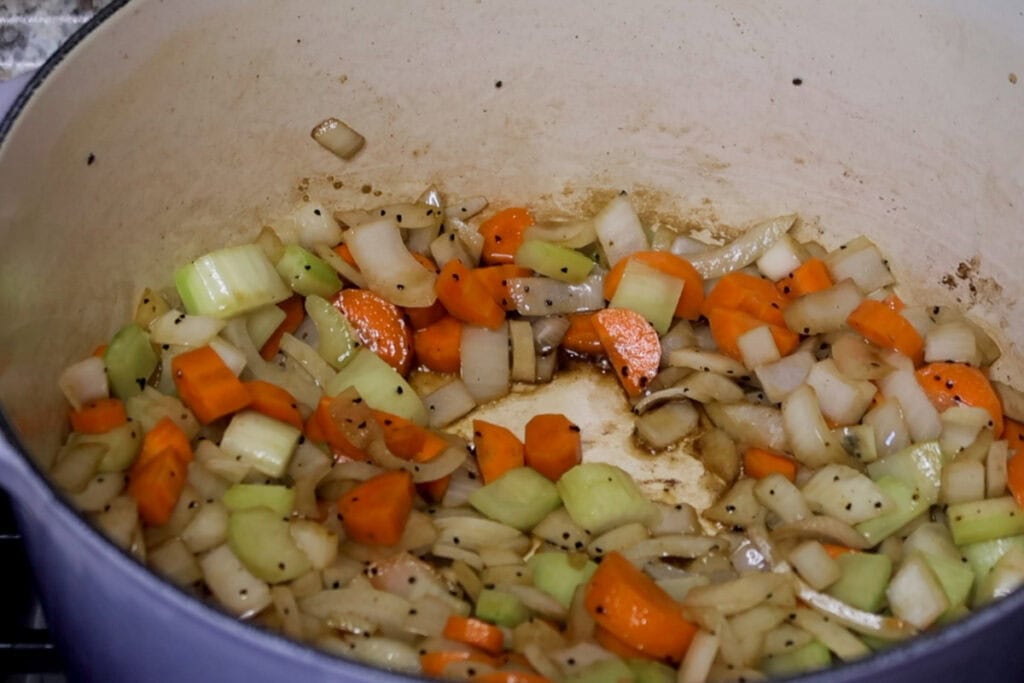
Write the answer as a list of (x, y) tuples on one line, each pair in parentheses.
[(169, 127)]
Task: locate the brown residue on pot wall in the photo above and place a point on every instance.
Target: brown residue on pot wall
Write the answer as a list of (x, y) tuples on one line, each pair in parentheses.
[(970, 286)]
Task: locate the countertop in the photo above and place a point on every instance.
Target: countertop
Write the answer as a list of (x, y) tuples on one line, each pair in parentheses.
[(31, 30)]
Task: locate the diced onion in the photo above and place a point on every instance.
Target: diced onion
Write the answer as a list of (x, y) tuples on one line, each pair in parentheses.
[(954, 342), (750, 424), (743, 250), (571, 234), (921, 416), (619, 230), (231, 583), (84, 382), (864, 265), (542, 296), (465, 209), (781, 378), (825, 310), (337, 137), (331, 258), (448, 403), (179, 329), (484, 356), (827, 529), (781, 259), (549, 331), (387, 265)]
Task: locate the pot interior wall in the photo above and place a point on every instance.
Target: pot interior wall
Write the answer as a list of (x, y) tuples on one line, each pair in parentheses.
[(180, 126)]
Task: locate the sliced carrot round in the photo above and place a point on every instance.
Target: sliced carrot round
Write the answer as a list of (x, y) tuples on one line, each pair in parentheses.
[(692, 297), (632, 346), (953, 384), (379, 325)]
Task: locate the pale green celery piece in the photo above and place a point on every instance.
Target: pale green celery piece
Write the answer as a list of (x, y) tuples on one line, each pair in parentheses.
[(908, 503), (229, 282), (810, 657), (307, 273), (261, 539), (280, 499), (262, 322), (558, 574), (985, 520), (956, 578), (649, 671), (919, 466), (337, 343), (130, 361), (1006, 576), (600, 497), (503, 609), (981, 557), (520, 498), (604, 671), (554, 261), (379, 385), (864, 580), (649, 292), (264, 443)]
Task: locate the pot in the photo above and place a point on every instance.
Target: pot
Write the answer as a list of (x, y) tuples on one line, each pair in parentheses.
[(164, 129)]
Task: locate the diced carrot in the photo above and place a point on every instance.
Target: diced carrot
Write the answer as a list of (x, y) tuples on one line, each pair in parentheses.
[(165, 437), (510, 677), (552, 445), (728, 325), (345, 253), (437, 345), (207, 385), (627, 603), (834, 550), (156, 486), (99, 351), (320, 428), (503, 234), (378, 324), (273, 401), (692, 297), (632, 346), (495, 279), (758, 463), (408, 440), (811, 276), (953, 384), (435, 663), (466, 297), (99, 417), (884, 327), (894, 302), (581, 337), (434, 491), (294, 312), (375, 511), (475, 632), (497, 450), (753, 295), (610, 642)]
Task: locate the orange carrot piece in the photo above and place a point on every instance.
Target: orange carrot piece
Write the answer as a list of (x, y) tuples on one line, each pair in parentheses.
[(834, 550), (632, 346), (99, 351), (495, 280), (437, 345), (627, 603), (466, 298), (507, 676), (434, 491), (581, 337), (811, 276), (165, 436), (294, 312), (345, 253), (378, 324), (375, 511), (503, 234), (435, 663), (728, 325), (408, 440), (475, 632), (953, 384), (156, 486), (320, 428), (884, 327), (758, 463), (692, 297), (610, 642), (207, 385), (753, 295), (552, 445), (497, 450), (99, 417), (274, 402)]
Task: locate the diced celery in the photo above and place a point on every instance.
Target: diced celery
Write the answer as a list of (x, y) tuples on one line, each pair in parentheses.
[(984, 520), (130, 360), (262, 322), (379, 385), (307, 273), (503, 609), (981, 557), (604, 671), (520, 498), (919, 466), (121, 445), (650, 292), (336, 342), (864, 580), (229, 281), (264, 443), (956, 578), (262, 541), (554, 261), (280, 499), (908, 503), (600, 497), (649, 671), (558, 574), (810, 657)]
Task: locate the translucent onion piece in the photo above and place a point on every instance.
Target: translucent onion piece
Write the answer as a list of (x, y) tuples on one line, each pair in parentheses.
[(826, 529), (750, 424), (448, 403), (548, 332), (619, 230), (486, 368), (336, 136), (571, 234), (440, 466), (465, 209), (331, 258), (297, 383), (85, 381), (738, 595), (538, 296), (857, 620), (676, 545), (743, 250), (179, 329), (388, 266), (235, 588)]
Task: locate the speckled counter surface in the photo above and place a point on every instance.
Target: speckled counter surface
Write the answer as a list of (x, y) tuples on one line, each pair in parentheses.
[(30, 30)]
